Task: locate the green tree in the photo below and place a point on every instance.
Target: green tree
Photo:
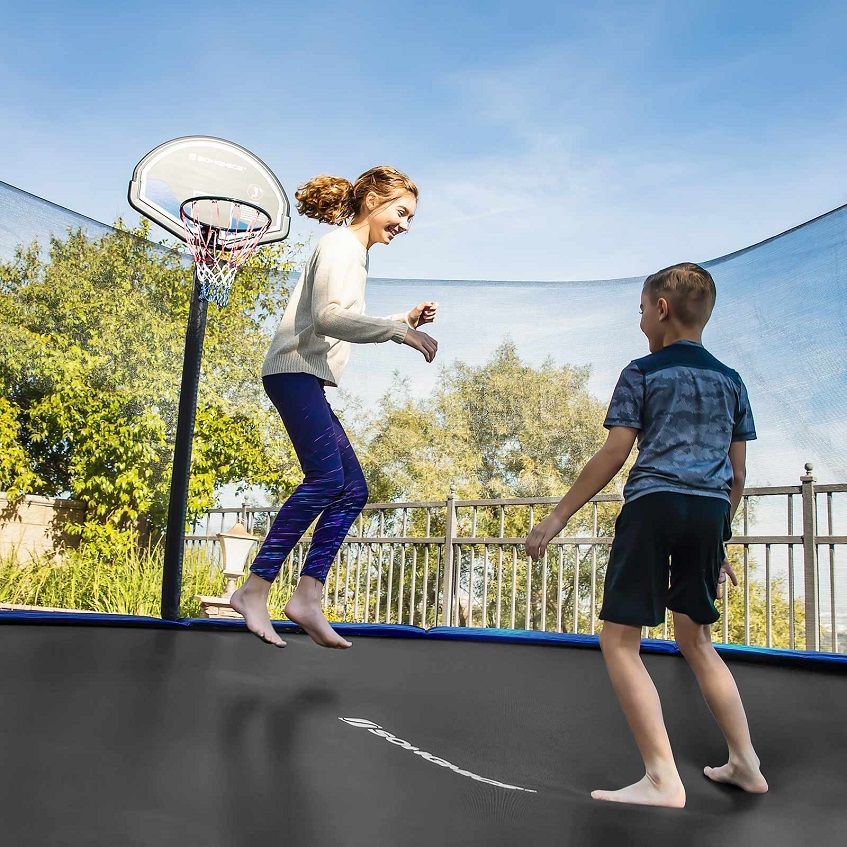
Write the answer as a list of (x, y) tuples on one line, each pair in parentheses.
[(15, 470), (500, 429), (761, 606), (504, 428), (91, 338)]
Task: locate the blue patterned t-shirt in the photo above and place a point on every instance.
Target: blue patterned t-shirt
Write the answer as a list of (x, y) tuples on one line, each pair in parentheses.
[(688, 408)]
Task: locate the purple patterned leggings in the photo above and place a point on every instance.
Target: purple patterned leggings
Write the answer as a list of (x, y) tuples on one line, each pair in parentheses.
[(334, 486)]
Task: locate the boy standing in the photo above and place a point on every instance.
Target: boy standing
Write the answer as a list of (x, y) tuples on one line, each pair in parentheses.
[(692, 419)]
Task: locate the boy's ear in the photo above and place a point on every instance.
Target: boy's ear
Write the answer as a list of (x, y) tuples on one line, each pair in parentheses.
[(663, 309)]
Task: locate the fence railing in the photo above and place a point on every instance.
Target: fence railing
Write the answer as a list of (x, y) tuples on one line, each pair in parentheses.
[(462, 562)]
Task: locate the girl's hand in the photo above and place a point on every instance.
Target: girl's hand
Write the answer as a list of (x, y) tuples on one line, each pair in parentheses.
[(423, 313), (422, 342), (541, 535)]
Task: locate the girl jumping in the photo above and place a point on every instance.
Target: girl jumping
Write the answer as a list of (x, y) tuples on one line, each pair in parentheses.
[(310, 350)]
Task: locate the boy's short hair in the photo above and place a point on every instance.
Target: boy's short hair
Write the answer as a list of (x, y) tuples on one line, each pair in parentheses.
[(688, 288)]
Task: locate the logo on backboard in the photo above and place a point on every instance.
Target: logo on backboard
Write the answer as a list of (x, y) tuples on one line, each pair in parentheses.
[(376, 729), (254, 192), (208, 160)]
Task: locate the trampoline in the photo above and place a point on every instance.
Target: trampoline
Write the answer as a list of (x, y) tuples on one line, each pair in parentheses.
[(137, 731), (121, 731)]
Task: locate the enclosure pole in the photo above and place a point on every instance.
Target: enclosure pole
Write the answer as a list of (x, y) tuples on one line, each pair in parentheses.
[(178, 503), (810, 560), (448, 590)]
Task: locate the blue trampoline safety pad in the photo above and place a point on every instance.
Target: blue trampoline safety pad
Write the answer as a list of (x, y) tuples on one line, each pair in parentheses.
[(448, 633)]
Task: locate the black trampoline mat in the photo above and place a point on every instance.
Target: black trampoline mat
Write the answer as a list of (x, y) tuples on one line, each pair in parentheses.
[(134, 736)]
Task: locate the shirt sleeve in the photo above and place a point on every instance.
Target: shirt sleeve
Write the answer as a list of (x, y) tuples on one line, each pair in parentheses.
[(744, 428), (627, 405), (338, 286), (402, 317)]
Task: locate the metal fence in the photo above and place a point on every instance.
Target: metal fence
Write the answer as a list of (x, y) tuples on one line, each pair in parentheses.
[(462, 562)]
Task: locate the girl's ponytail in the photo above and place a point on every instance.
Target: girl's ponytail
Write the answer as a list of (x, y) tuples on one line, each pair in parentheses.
[(328, 199)]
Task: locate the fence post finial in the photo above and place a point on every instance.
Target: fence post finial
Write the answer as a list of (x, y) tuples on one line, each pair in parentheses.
[(810, 559), (448, 588)]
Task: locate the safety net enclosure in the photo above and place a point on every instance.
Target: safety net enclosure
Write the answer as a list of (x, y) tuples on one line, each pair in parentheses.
[(779, 320)]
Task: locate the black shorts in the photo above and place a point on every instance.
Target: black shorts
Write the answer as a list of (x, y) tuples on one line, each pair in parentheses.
[(667, 553)]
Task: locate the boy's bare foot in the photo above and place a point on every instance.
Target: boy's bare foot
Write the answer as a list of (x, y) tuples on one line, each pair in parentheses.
[(251, 602), (746, 776), (647, 792), (306, 610)]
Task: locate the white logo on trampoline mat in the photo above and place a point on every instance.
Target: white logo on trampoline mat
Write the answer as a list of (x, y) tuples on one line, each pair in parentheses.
[(376, 729)]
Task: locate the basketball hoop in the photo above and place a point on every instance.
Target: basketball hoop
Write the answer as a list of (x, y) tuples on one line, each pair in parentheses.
[(221, 234), (205, 178)]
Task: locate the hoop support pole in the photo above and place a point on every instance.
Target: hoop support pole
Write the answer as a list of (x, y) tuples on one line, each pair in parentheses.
[(181, 469)]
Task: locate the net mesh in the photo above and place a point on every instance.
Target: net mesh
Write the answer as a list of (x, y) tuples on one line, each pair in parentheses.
[(221, 235), (780, 320), (92, 329)]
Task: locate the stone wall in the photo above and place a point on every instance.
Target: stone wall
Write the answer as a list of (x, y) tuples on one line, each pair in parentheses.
[(33, 525)]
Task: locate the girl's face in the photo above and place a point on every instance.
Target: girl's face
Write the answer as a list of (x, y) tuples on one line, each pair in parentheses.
[(390, 218)]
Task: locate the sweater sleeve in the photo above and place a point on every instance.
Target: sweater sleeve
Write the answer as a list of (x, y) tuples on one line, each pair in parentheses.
[(402, 317), (338, 286)]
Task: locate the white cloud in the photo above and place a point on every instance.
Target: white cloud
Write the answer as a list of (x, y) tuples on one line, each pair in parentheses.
[(589, 173)]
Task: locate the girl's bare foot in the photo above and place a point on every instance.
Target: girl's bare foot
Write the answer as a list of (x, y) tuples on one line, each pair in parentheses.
[(306, 610), (647, 792), (744, 775), (251, 602)]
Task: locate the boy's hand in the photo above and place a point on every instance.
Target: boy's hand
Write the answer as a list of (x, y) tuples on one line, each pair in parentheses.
[(541, 535), (726, 569), (423, 313)]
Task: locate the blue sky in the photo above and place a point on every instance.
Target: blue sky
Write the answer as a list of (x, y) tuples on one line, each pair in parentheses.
[(549, 140)]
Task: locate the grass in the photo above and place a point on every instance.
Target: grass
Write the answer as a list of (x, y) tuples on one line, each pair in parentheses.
[(129, 584)]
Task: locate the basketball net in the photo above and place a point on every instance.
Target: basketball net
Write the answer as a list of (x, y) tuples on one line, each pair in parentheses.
[(221, 235)]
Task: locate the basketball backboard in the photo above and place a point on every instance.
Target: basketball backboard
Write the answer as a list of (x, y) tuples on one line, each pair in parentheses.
[(199, 165)]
